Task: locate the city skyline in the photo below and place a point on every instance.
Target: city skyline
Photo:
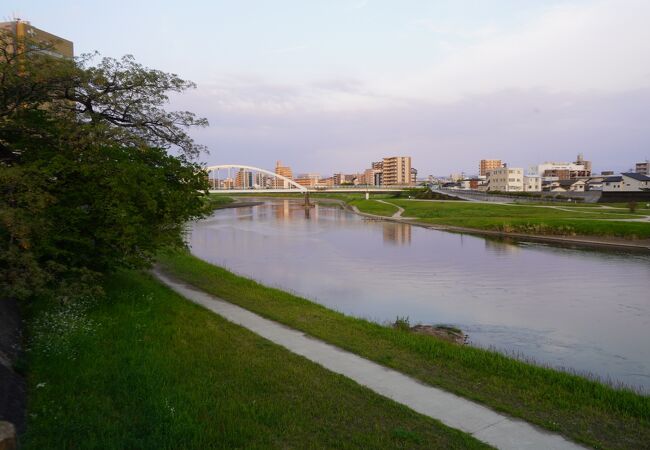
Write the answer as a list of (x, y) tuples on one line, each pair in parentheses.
[(329, 85)]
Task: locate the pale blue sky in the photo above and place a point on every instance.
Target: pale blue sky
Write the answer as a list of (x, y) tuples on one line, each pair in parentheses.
[(331, 85)]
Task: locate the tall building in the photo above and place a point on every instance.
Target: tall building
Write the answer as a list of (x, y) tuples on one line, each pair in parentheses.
[(580, 161), (414, 176), (488, 164), (21, 30), (396, 170), (370, 177), (244, 179), (284, 171)]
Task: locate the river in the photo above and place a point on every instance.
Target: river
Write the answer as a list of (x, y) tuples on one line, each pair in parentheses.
[(580, 310)]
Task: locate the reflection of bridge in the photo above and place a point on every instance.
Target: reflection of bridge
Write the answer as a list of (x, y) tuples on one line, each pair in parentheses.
[(249, 179)]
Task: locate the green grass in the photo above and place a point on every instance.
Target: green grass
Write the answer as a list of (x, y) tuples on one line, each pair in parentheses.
[(583, 410), (215, 201), (144, 368), (519, 218), (375, 207)]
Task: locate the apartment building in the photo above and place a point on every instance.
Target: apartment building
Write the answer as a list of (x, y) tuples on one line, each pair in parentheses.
[(414, 176), (643, 167), (22, 31), (396, 170), (487, 165), (307, 179), (506, 179), (284, 171), (552, 171), (532, 183), (244, 179)]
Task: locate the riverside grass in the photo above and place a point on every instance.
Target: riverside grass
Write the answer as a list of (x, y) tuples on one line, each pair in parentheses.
[(583, 410), (541, 220), (145, 368), (536, 219)]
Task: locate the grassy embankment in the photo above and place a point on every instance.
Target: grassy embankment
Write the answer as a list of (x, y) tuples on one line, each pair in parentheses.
[(536, 219), (213, 202), (581, 409), (144, 368), (540, 220)]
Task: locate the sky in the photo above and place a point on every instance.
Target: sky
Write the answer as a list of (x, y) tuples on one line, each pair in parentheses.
[(329, 86)]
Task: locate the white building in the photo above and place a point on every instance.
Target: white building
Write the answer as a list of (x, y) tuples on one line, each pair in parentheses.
[(627, 182), (506, 179), (550, 171), (532, 183)]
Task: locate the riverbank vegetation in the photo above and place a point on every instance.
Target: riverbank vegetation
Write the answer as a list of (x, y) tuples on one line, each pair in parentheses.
[(536, 219), (87, 188), (145, 368), (86, 183), (213, 202), (584, 410)]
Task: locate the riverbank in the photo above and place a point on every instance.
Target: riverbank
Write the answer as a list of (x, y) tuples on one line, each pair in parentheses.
[(594, 227), (143, 367), (582, 410), (378, 211)]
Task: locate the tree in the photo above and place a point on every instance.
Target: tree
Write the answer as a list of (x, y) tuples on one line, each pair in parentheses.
[(86, 181)]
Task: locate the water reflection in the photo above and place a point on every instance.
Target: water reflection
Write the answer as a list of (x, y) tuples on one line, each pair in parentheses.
[(501, 246), (581, 309), (397, 233)]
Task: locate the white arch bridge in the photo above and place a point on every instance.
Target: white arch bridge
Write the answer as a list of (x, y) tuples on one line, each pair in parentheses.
[(247, 178), (242, 179)]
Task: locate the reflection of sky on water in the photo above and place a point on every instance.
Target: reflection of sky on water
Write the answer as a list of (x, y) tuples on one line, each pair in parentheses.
[(584, 310)]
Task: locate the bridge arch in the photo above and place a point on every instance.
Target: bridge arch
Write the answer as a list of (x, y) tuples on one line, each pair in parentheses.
[(256, 169)]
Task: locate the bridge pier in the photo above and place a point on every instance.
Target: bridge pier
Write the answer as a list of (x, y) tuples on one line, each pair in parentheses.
[(308, 204)]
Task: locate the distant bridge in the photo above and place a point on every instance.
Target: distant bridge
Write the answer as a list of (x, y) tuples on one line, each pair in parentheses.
[(247, 180), (230, 181)]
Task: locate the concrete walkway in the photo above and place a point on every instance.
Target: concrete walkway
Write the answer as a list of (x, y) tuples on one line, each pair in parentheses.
[(399, 212), (456, 412)]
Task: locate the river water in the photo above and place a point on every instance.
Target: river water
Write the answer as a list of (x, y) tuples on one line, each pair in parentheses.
[(582, 310)]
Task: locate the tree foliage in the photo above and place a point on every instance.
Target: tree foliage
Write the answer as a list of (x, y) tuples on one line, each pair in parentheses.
[(87, 184)]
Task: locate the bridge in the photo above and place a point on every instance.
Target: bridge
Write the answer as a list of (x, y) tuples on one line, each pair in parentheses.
[(242, 179)]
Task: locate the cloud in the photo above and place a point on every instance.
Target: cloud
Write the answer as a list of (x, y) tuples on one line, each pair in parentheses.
[(576, 79), (242, 93), (522, 127), (600, 46)]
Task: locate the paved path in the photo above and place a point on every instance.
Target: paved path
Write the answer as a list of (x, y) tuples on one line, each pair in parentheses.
[(399, 212), (456, 412)]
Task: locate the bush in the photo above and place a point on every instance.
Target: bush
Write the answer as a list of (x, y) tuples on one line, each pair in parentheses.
[(402, 323)]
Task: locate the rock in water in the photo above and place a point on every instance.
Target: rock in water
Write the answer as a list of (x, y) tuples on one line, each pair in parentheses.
[(446, 333)]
